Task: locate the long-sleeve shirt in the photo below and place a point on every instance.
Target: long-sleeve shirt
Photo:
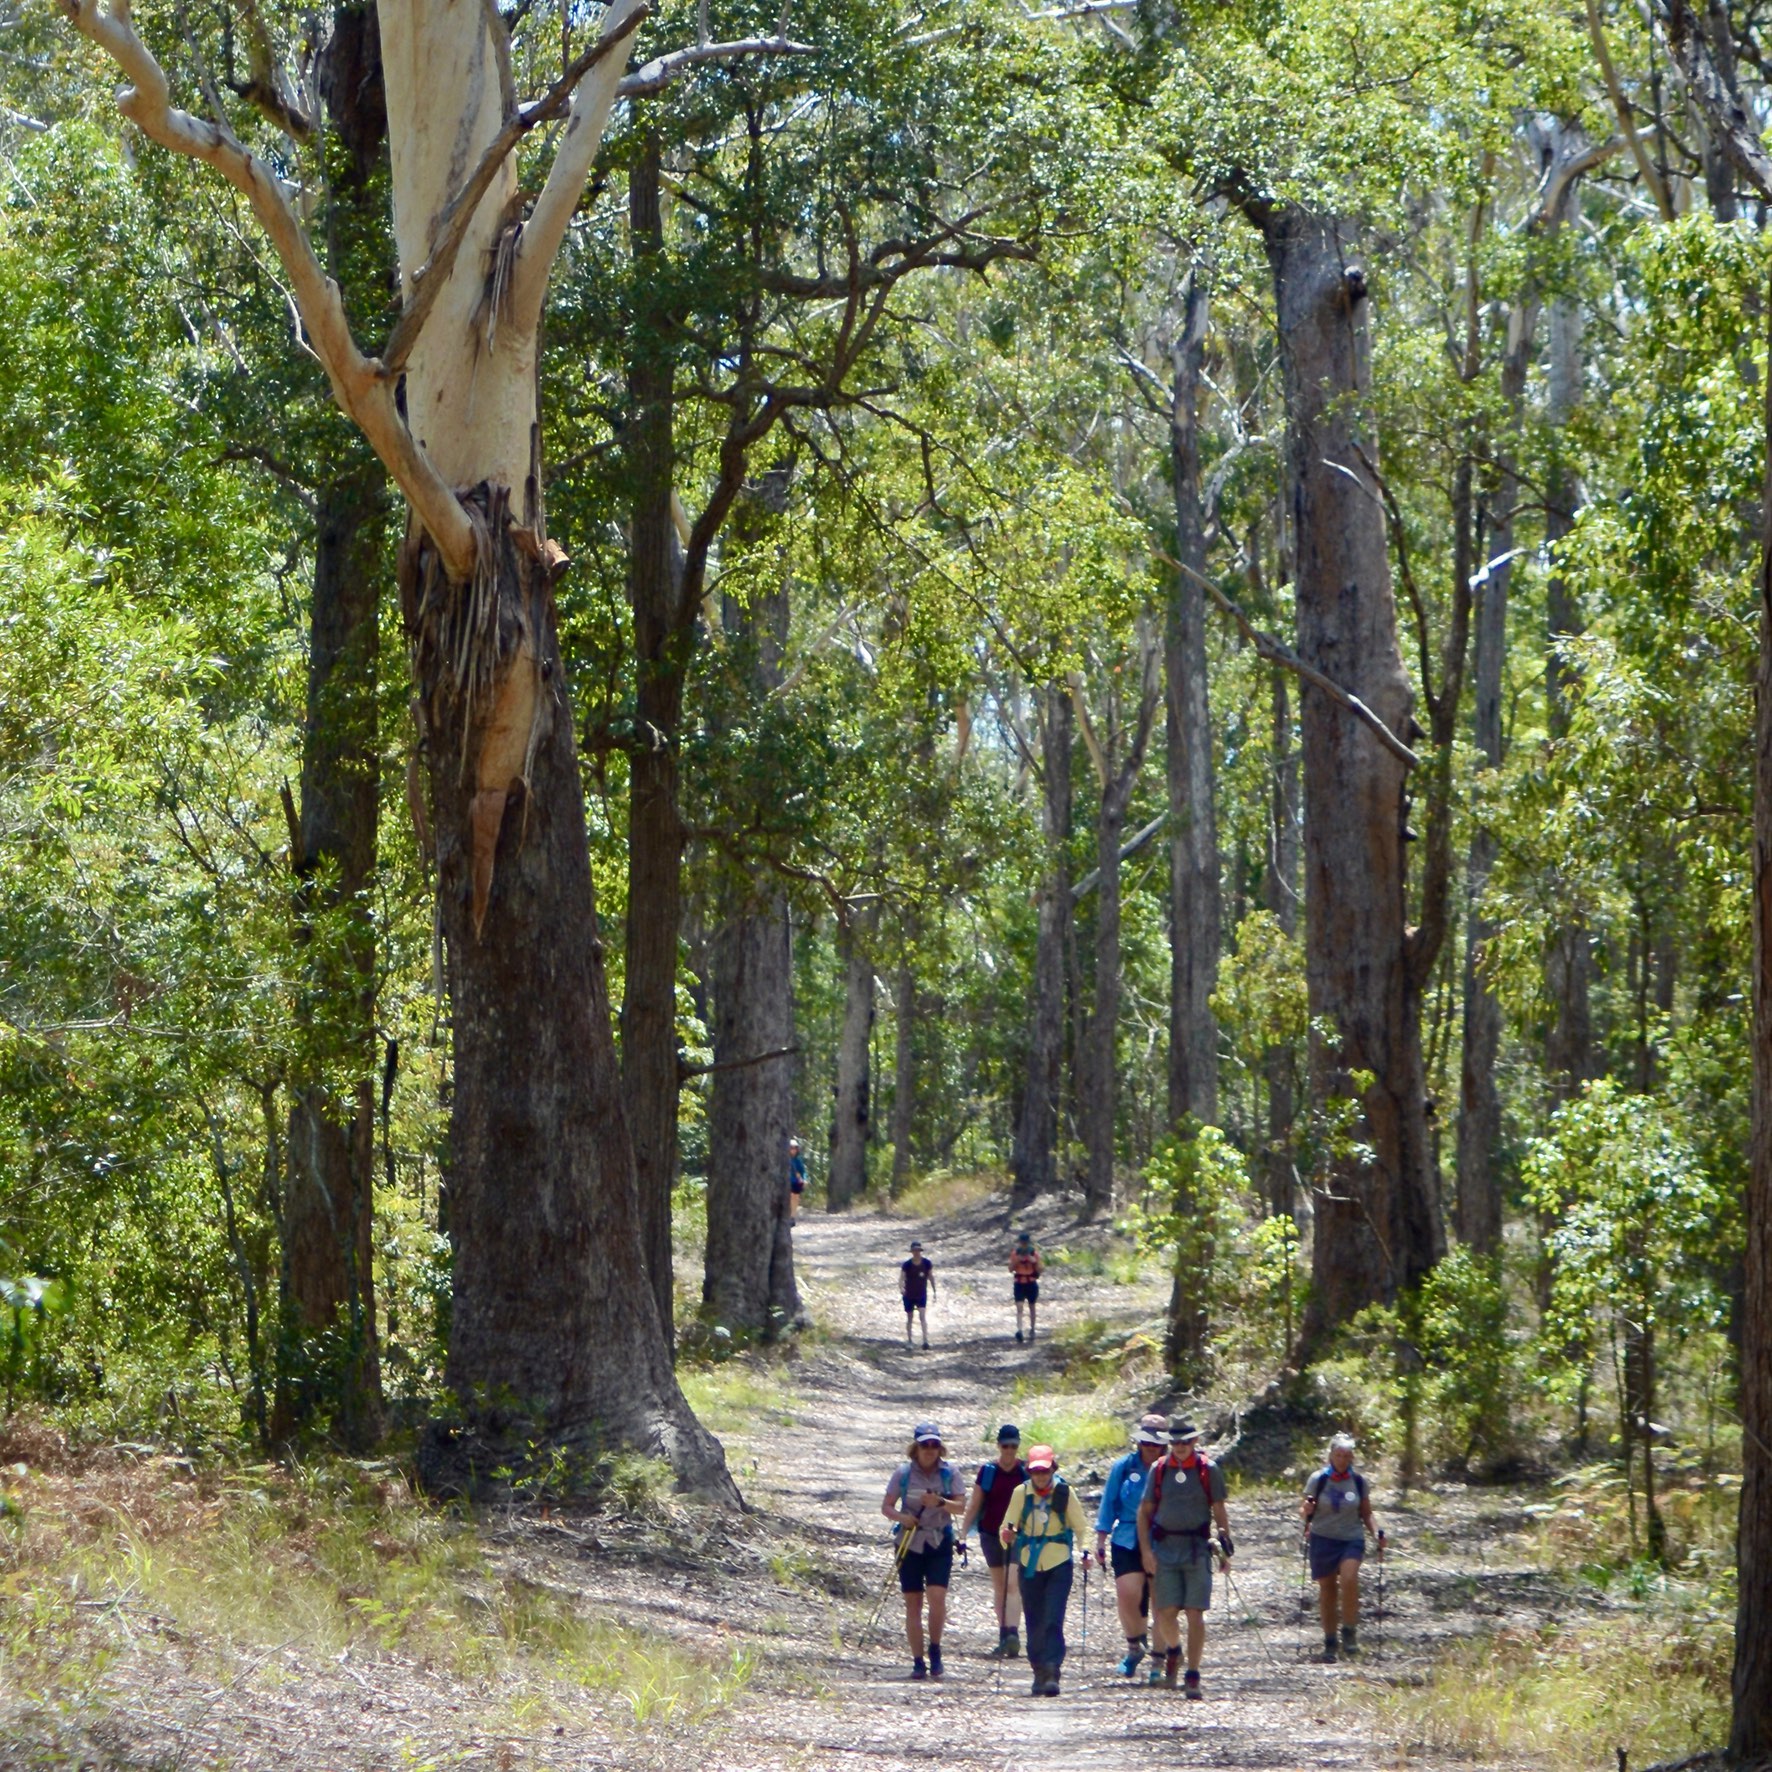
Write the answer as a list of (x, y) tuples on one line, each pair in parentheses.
[(1118, 1513), (1035, 1515)]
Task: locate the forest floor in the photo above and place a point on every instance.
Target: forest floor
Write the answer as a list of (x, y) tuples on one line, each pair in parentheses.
[(153, 1618)]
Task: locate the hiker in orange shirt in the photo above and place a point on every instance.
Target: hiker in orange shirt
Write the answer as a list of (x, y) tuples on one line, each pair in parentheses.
[(1025, 1265)]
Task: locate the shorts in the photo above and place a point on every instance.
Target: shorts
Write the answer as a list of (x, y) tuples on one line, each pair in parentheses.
[(926, 1568), (1187, 1585), (1126, 1561), (1328, 1554), (1028, 1291), (915, 1304), (996, 1553), (796, 1187)]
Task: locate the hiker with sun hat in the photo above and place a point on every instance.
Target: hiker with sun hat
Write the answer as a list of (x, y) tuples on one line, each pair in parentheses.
[(1116, 1530), (1044, 1521), (1183, 1500), (921, 1500)]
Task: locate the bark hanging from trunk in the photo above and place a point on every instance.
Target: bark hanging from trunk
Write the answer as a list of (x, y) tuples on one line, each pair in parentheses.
[(1193, 855), (328, 1358), (904, 1074), (848, 1172), (1279, 894), (555, 1336), (1034, 1161), (1378, 1226), (748, 1282), (663, 643)]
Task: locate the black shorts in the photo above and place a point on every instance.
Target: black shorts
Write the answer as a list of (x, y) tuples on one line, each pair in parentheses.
[(926, 1568), (1028, 1290), (1126, 1561), (915, 1304), (796, 1187), (996, 1553)]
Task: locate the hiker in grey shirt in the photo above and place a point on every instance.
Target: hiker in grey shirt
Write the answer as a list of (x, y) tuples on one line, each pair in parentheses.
[(1337, 1511)]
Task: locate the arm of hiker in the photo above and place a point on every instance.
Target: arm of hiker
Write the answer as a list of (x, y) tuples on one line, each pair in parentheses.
[(974, 1502), (1012, 1514), (1107, 1516), (1307, 1508), (1146, 1508), (1077, 1518), (891, 1507), (1221, 1515)]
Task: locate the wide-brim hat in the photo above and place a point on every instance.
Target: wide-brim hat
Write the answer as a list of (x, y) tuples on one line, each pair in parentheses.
[(1153, 1430), (1180, 1429)]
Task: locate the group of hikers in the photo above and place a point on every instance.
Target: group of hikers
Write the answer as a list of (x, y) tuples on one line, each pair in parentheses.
[(916, 1286), (1162, 1528)]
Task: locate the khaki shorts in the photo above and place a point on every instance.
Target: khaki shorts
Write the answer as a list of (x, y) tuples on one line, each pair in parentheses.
[(1186, 1585)]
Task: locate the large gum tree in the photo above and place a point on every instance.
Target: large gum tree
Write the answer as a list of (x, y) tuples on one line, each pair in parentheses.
[(555, 1338)]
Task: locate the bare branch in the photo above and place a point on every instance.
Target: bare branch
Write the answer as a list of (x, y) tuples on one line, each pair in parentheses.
[(1074, 683), (500, 34), (664, 70), (430, 278), (360, 390), (1128, 849), (583, 135), (1278, 653), (1719, 99), (686, 1071), (1621, 105)]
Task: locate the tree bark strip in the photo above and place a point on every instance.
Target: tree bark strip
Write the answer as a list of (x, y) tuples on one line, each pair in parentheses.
[(848, 1172)]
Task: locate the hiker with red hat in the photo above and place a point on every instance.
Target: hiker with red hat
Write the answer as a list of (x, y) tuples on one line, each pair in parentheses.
[(1044, 1521), (1183, 1500), (921, 1500)]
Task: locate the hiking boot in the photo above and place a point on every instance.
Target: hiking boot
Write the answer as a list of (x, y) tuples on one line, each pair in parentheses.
[(1191, 1685), (918, 1670), (1128, 1663), (935, 1661), (1350, 1645), (1018, 1337), (925, 1344), (1051, 1687), (1001, 1652), (1329, 1648), (1013, 1652)]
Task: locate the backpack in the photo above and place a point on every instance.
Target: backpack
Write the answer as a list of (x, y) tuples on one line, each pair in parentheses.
[(1154, 1490), (1313, 1488), (904, 1490), (1061, 1506), (988, 1474)]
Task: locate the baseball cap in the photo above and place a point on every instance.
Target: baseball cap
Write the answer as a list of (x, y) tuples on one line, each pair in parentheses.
[(915, 1244), (1041, 1458), (1153, 1430), (1023, 1237), (927, 1434), (1009, 1434)]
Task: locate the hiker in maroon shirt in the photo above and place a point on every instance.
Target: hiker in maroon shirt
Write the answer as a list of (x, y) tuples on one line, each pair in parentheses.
[(989, 1500)]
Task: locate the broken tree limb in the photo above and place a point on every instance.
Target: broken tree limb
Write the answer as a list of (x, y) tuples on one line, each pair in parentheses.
[(1276, 652), (663, 70), (686, 1071), (1128, 849)]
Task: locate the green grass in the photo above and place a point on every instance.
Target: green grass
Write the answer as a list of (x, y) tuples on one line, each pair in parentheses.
[(736, 1394), (942, 1193), (1123, 1266), (1655, 1684)]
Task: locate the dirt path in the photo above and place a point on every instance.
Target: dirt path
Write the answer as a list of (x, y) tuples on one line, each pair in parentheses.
[(860, 1392)]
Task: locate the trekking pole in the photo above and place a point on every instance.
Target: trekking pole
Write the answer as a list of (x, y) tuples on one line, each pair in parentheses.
[(1085, 1608), (1381, 1587), (1224, 1569), (1304, 1598), (899, 1549)]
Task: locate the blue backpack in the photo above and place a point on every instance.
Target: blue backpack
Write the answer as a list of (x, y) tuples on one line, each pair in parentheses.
[(947, 1493), (1025, 1540)]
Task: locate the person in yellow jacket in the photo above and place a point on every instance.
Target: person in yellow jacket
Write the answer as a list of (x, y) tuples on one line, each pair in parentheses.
[(1043, 1528)]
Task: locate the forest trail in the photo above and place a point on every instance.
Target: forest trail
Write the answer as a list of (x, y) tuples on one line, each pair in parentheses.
[(860, 1391)]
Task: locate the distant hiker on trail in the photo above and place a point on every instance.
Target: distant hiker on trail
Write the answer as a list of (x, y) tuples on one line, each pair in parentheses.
[(796, 1179), (1116, 1527), (1337, 1511), (1044, 1520), (922, 1499), (916, 1282), (988, 1503), (1025, 1265), (1183, 1500)]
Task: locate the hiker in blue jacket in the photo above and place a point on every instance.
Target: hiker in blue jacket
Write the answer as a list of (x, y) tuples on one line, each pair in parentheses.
[(1116, 1529), (1337, 1511)]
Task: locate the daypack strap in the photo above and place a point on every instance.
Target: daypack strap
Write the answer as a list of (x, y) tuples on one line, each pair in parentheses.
[(1060, 1506)]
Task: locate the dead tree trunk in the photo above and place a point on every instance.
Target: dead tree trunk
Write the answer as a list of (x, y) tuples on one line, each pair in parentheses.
[(1034, 1161), (847, 1175), (1378, 1224), (328, 1358), (1193, 852)]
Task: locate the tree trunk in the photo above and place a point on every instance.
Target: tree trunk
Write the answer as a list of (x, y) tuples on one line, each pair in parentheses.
[(1750, 1733), (1034, 1160), (328, 1361), (1099, 1075), (749, 1277), (1378, 1226), (904, 1073), (1280, 896), (556, 1338), (1193, 852), (663, 643), (848, 1172)]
